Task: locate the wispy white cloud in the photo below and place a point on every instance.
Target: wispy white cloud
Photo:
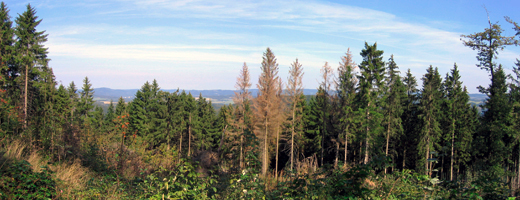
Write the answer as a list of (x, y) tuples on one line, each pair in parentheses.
[(238, 31)]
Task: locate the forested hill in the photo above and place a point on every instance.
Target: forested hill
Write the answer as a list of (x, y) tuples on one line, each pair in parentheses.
[(217, 96)]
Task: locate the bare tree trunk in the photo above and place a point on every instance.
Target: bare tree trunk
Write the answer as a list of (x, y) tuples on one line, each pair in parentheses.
[(277, 146), (404, 158), (337, 154), (264, 164), (180, 145), (242, 151), (292, 135), (25, 96)]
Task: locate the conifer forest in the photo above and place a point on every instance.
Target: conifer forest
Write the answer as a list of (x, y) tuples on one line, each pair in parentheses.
[(370, 132)]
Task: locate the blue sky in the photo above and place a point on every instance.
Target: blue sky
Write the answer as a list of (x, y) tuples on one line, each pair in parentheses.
[(199, 44)]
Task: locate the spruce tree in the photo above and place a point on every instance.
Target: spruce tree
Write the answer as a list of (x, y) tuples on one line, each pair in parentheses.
[(242, 99), (393, 107), (454, 107), (86, 102), (371, 85), (31, 54), (110, 116), (346, 88), (138, 111), (266, 104), (120, 107), (492, 142), (409, 120), (429, 107), (72, 91), (294, 92), (8, 72)]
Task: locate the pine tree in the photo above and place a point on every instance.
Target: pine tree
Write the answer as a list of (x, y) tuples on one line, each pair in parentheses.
[(191, 117), (294, 93), (266, 104), (120, 107), (86, 102), (242, 100), (429, 107), (205, 134), (31, 54), (371, 84), (488, 44), (156, 111), (110, 116), (493, 139), (324, 101), (409, 119), (72, 91), (392, 107), (7, 67), (454, 106), (8, 71), (346, 88)]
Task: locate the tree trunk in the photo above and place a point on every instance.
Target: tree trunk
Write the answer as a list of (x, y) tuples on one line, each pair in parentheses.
[(452, 149), (242, 151), (404, 158), (189, 137), (427, 155), (292, 135), (180, 145), (25, 96), (388, 135), (264, 164), (367, 136), (277, 146), (518, 173), (346, 145), (337, 153)]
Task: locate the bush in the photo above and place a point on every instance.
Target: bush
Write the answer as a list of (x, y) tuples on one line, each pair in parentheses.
[(18, 181)]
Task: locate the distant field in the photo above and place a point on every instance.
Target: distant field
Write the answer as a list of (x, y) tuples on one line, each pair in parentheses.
[(218, 98)]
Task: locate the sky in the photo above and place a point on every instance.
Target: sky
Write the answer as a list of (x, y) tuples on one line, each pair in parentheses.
[(202, 44)]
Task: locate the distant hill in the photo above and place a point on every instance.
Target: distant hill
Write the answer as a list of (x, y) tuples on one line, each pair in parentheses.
[(104, 95), (107, 94)]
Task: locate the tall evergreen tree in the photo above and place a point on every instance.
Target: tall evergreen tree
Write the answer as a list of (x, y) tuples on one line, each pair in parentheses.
[(371, 85), (324, 100), (492, 141), (454, 106), (120, 107), (429, 107), (86, 102), (8, 72), (409, 120), (393, 107), (346, 88), (242, 100), (31, 54)]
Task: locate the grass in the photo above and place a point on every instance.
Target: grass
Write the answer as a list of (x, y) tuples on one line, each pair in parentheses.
[(70, 177)]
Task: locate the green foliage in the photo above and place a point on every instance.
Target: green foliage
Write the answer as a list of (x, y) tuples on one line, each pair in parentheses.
[(18, 181), (182, 183)]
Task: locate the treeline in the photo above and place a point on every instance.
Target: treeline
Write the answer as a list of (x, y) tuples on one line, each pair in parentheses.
[(361, 113)]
